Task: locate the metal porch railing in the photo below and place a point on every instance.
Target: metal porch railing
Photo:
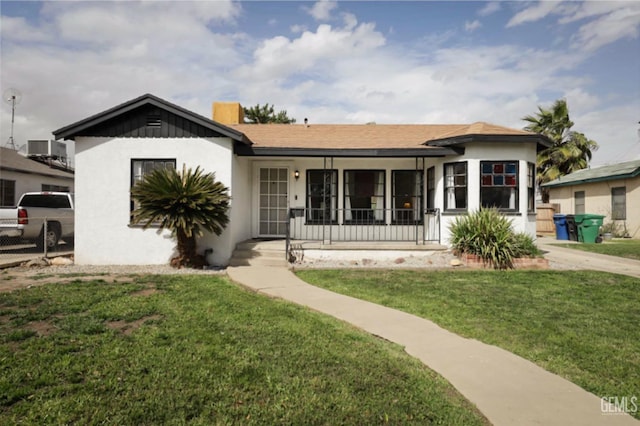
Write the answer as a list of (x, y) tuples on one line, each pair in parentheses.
[(367, 225)]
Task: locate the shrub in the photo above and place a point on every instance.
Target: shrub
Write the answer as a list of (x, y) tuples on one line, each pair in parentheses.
[(525, 246), (488, 234)]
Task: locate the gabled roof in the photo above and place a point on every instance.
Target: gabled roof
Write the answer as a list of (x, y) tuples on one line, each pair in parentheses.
[(108, 120), (625, 170), (389, 139), (11, 160)]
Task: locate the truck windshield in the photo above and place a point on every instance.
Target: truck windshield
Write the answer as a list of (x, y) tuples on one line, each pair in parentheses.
[(49, 201)]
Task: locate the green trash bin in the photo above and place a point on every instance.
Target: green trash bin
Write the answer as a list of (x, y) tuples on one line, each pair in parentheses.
[(588, 227)]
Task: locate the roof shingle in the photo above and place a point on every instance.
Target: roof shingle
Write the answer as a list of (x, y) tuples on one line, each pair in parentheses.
[(362, 136)]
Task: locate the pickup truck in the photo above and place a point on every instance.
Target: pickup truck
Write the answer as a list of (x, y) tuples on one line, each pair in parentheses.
[(27, 219)]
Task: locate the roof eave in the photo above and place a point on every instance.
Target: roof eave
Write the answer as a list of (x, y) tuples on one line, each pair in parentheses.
[(560, 182), (247, 151), (541, 141)]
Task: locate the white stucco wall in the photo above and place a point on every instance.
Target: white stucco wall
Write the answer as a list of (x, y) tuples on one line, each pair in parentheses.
[(241, 190), (598, 201), (103, 180), (524, 153)]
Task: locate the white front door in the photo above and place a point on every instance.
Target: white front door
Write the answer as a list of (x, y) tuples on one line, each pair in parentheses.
[(273, 203)]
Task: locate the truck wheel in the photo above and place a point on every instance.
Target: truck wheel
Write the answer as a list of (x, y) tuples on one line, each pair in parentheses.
[(51, 239)]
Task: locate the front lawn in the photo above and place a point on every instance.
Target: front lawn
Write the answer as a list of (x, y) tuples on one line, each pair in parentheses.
[(621, 248), (200, 350), (583, 326)]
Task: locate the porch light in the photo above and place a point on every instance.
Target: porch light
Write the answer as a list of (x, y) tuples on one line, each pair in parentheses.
[(296, 174)]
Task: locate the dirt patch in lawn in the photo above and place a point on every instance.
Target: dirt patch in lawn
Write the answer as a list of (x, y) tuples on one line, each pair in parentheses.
[(42, 328), (18, 279), (127, 328), (148, 291)]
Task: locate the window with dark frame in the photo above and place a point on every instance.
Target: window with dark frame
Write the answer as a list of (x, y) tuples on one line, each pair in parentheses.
[(142, 167), (364, 196), (7, 192), (407, 196), (499, 185), (455, 186), (322, 196), (619, 203), (431, 188), (579, 198), (531, 187)]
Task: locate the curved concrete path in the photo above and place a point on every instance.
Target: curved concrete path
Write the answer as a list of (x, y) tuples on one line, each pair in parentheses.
[(509, 390)]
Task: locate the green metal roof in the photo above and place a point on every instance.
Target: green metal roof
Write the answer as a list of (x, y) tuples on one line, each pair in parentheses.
[(626, 170)]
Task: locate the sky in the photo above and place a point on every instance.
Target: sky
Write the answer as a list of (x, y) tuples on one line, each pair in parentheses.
[(419, 62)]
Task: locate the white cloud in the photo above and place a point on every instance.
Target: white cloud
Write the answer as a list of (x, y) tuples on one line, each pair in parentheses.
[(534, 13), (321, 10), (84, 57), (279, 58), (472, 26), (617, 24), (490, 8), (607, 21), (296, 29)]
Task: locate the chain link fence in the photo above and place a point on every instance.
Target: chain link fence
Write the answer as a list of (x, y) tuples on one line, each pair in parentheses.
[(22, 241)]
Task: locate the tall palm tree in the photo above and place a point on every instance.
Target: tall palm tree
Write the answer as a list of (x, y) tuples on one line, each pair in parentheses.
[(186, 203), (570, 151)]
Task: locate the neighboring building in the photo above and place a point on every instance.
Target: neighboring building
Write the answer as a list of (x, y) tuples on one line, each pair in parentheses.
[(612, 191), (313, 181), (19, 174)]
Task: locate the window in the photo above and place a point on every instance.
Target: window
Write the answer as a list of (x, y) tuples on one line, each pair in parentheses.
[(531, 187), (619, 203), (54, 188), (7, 192), (407, 187), (431, 188), (48, 201), (455, 187), (364, 196), (140, 168), (579, 202), (499, 184), (322, 196)]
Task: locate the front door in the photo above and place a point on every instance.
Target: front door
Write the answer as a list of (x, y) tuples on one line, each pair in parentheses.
[(273, 203)]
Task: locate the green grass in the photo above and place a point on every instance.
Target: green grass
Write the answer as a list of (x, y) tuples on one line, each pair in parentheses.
[(584, 326), (621, 248), (200, 350)]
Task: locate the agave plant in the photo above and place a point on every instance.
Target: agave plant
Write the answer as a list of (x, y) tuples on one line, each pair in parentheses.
[(186, 203)]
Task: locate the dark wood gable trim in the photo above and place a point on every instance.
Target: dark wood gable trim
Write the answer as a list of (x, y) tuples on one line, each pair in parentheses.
[(148, 116), (149, 121)]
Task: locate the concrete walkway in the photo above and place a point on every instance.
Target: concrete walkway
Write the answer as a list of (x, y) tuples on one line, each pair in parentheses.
[(509, 390), (584, 260)]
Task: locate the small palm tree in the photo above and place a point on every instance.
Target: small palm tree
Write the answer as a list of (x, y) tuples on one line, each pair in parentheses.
[(571, 151), (186, 203)]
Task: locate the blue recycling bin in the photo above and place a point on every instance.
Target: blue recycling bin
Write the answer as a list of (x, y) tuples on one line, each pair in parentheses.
[(562, 231)]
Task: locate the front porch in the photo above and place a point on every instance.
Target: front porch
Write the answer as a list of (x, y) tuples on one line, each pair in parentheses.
[(369, 232), (306, 253)]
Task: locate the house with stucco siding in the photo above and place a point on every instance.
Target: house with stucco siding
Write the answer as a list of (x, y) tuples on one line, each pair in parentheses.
[(611, 190), (20, 174), (329, 183)]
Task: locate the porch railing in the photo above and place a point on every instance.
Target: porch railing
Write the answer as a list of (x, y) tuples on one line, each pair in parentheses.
[(389, 225)]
